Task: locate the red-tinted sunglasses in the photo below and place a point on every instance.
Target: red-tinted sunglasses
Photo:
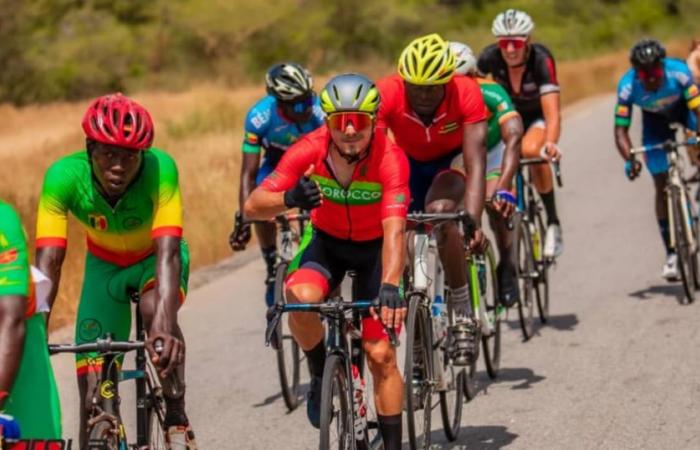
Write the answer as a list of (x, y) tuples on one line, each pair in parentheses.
[(517, 43), (340, 120), (654, 72)]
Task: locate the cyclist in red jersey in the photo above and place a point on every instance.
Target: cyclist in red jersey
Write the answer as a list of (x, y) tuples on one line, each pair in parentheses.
[(355, 181), (435, 116)]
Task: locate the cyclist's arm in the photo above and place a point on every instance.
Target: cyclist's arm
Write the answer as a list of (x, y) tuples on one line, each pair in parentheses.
[(255, 126), (512, 135), (249, 170), (552, 116), (167, 288), (12, 329), (623, 115), (393, 248), (263, 204), (474, 155), (49, 260), (693, 63), (623, 141), (394, 173)]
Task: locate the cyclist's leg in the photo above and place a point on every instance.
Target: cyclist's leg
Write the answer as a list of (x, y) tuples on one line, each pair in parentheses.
[(104, 308), (541, 174), (381, 355), (267, 238)]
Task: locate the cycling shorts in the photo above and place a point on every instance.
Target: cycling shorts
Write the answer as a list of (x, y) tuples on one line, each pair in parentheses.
[(423, 174), (656, 128), (323, 260), (33, 399), (105, 301)]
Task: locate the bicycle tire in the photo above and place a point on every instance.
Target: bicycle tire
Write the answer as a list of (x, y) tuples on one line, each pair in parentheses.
[(335, 384), (288, 353), (102, 433), (542, 266), (419, 392), (683, 250), (489, 301), (525, 269), (452, 414), (157, 432)]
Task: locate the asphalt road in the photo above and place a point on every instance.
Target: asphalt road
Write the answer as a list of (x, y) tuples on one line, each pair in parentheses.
[(618, 367)]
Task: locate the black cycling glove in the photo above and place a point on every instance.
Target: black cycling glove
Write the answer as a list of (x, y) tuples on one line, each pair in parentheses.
[(305, 194), (389, 297)]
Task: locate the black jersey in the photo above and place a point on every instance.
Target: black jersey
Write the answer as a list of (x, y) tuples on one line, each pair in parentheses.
[(539, 78)]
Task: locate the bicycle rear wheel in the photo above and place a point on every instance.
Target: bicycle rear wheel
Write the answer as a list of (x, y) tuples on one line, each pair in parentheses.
[(491, 339), (683, 250), (288, 352), (542, 266), (525, 270), (418, 373), (336, 406), (105, 434)]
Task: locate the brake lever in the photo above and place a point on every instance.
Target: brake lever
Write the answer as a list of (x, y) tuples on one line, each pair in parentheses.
[(393, 340), (557, 173), (274, 314)]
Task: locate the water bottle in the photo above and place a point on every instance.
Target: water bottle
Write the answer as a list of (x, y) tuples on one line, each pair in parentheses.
[(481, 272), (439, 313), (359, 405), (536, 242)]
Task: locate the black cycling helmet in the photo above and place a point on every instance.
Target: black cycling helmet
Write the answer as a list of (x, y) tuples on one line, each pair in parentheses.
[(288, 81), (647, 53)]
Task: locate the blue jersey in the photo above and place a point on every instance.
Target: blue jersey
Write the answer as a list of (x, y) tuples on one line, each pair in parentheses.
[(677, 88), (265, 127)]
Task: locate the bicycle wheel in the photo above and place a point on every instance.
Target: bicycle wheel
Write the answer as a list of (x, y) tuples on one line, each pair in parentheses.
[(418, 373), (104, 434), (288, 352), (542, 266), (452, 400), (525, 269), (683, 250), (491, 315), (157, 432), (336, 406)]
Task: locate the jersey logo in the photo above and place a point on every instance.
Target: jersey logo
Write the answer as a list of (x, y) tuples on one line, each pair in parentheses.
[(622, 110), (448, 128), (252, 138), (363, 171), (8, 256), (4, 282), (3, 241), (400, 198), (502, 106), (358, 193), (692, 91), (97, 221)]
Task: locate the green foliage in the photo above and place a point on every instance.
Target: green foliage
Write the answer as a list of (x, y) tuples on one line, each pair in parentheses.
[(54, 49)]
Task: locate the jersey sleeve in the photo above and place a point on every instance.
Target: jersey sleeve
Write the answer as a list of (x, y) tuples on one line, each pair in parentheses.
[(690, 89), (167, 217), (256, 124), (483, 64), (623, 108), (471, 102), (292, 166), (14, 258), (498, 102), (394, 174), (54, 204), (387, 94), (546, 74)]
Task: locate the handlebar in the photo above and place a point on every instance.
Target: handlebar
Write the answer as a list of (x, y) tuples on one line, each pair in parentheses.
[(668, 146), (101, 346), (555, 167), (283, 219)]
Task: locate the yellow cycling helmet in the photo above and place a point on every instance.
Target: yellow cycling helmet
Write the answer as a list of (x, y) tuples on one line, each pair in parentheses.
[(427, 60)]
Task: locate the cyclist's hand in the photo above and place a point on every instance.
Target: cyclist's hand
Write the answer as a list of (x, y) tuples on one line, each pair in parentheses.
[(9, 427), (632, 168), (551, 152), (305, 194), (170, 356), (504, 203), (392, 306), (478, 243), (240, 236)]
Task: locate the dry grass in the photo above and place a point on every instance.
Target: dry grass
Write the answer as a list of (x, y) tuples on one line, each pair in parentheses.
[(201, 128)]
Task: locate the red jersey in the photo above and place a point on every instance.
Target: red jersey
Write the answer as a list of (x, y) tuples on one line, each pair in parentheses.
[(462, 104), (378, 187)]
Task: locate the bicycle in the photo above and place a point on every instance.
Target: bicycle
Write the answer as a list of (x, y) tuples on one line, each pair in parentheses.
[(289, 357), (105, 427), (532, 266), (682, 214), (343, 425), (429, 367)]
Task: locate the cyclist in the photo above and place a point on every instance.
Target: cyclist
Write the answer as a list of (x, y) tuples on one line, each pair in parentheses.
[(435, 117), (29, 405), (355, 181), (693, 60), (126, 196), (505, 132), (663, 89), (527, 71), (290, 110)]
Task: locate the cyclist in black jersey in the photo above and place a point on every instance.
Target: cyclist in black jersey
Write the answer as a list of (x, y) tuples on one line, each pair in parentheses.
[(527, 71)]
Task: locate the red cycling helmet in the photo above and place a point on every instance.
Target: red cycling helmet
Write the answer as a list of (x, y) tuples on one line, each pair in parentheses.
[(115, 119)]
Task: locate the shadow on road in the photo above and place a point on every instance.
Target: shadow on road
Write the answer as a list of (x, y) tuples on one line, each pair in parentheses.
[(303, 388), (674, 290), (523, 376), (561, 322), (483, 438)]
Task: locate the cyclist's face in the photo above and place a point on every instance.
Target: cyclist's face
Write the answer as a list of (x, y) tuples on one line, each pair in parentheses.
[(351, 140), (424, 100), (514, 49), (115, 167), (299, 110), (651, 78)]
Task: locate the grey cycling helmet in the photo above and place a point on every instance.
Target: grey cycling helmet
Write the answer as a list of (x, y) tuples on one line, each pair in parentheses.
[(288, 81), (647, 53), (350, 92), (464, 58), (512, 22)]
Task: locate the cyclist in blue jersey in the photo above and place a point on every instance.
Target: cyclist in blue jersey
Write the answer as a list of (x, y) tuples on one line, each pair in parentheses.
[(290, 110), (663, 89)]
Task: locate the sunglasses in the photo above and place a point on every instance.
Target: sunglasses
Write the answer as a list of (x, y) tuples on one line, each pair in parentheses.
[(654, 72), (302, 105), (340, 121), (517, 43)]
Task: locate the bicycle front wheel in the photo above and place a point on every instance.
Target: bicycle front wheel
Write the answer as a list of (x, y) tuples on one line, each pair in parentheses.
[(491, 316), (336, 406), (107, 434), (157, 432), (288, 352), (542, 265), (682, 246), (418, 373), (526, 274)]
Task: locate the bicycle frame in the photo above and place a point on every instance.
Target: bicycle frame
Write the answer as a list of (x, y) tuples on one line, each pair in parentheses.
[(675, 180)]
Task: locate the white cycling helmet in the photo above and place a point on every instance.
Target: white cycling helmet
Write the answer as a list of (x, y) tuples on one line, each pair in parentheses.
[(464, 58), (512, 22)]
